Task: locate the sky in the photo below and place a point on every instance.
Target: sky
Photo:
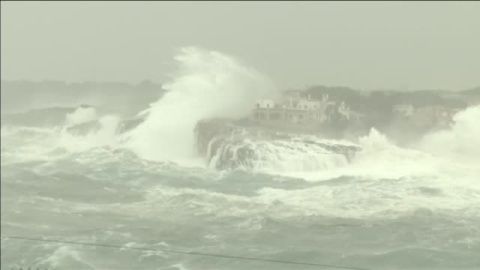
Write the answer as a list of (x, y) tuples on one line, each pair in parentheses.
[(363, 45)]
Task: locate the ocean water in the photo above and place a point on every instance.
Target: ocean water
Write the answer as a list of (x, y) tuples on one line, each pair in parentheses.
[(387, 207)]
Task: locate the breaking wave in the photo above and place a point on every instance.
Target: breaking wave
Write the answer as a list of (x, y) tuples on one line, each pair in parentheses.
[(81, 115), (208, 84), (255, 190), (461, 143), (276, 153)]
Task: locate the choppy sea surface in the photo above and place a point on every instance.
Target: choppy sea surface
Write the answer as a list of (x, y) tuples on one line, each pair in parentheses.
[(425, 215), (144, 194)]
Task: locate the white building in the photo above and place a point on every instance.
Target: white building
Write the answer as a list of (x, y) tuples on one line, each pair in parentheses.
[(292, 108), (265, 104), (294, 101)]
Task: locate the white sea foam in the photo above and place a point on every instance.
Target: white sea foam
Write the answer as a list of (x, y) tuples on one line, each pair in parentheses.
[(459, 144), (279, 156), (81, 115), (380, 182), (105, 135)]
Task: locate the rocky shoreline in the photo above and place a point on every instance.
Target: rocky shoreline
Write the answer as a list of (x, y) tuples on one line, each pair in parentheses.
[(241, 144)]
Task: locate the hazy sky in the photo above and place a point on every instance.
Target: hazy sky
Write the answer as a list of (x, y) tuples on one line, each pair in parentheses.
[(365, 45)]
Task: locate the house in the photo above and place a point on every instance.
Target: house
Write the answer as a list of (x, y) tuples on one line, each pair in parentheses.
[(265, 103), (291, 109)]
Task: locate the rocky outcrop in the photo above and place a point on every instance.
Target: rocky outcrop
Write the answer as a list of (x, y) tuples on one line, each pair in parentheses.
[(230, 145)]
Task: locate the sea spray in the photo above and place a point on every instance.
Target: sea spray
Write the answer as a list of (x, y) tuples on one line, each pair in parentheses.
[(276, 153), (384, 205), (461, 142), (81, 115), (206, 85), (105, 134)]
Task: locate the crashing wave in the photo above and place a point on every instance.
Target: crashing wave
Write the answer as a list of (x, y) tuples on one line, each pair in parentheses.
[(226, 146)]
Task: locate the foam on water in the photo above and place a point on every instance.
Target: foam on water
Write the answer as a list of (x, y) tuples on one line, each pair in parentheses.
[(21, 144), (381, 182), (27, 143), (105, 135), (278, 156), (64, 255)]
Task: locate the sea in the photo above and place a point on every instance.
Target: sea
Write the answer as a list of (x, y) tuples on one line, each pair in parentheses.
[(144, 199)]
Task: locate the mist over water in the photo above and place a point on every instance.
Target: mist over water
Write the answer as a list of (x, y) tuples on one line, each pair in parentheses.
[(297, 198), (81, 115), (461, 143), (206, 85)]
